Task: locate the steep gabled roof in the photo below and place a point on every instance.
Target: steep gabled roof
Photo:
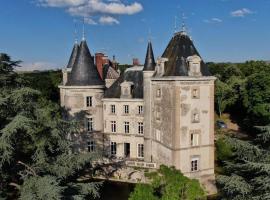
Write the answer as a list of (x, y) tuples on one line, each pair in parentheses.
[(134, 75), (149, 64), (73, 55), (178, 50), (84, 71)]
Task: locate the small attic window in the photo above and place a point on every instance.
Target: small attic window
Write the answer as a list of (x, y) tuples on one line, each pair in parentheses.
[(194, 65), (126, 89)]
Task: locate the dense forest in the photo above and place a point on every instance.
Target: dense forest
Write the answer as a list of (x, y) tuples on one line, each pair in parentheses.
[(35, 159)]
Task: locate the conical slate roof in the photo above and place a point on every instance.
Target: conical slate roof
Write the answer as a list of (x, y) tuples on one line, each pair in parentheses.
[(84, 71), (178, 50), (73, 55), (150, 63)]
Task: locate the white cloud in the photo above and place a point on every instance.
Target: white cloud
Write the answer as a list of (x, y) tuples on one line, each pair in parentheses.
[(95, 8), (61, 3), (89, 21), (213, 20), (28, 66), (107, 20), (241, 12)]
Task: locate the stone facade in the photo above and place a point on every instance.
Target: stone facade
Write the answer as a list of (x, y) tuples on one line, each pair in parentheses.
[(157, 114)]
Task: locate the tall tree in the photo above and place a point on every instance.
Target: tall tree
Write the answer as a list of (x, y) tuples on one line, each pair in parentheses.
[(35, 156), (247, 174)]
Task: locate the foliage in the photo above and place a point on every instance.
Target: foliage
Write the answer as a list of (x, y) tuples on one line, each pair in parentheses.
[(247, 174), (223, 150), (143, 192), (46, 82), (35, 153), (169, 184)]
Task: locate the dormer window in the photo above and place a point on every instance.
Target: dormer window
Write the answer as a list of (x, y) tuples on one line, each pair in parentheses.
[(194, 65), (126, 88)]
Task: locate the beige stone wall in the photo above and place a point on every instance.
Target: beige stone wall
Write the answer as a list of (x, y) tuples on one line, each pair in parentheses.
[(172, 123), (120, 137), (73, 99)]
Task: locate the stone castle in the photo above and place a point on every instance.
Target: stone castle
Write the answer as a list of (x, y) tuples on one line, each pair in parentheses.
[(159, 113)]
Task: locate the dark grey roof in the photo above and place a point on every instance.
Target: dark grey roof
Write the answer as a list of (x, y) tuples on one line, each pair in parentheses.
[(177, 51), (84, 72), (73, 55), (150, 63), (130, 75)]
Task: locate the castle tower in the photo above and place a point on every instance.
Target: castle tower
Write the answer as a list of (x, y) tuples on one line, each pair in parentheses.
[(148, 72), (67, 70), (182, 104), (81, 96)]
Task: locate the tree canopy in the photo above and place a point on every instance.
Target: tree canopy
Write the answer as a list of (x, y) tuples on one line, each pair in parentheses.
[(35, 158), (168, 184)]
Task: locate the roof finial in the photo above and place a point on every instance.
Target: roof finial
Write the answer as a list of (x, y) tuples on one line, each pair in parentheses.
[(83, 37), (175, 24), (76, 33), (183, 29), (149, 35)]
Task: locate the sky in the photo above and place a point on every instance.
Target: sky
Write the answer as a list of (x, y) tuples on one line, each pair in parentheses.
[(41, 33)]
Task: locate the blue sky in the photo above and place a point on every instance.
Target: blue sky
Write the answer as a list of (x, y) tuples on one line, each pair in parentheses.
[(41, 32)]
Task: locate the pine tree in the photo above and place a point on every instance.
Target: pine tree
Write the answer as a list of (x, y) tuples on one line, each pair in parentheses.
[(247, 174), (35, 158)]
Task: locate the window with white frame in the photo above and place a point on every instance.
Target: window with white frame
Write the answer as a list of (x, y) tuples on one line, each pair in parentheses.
[(158, 93), (126, 109), (89, 124), (194, 138), (113, 126), (91, 146), (89, 101), (140, 150), (113, 148), (126, 127), (112, 109), (158, 137), (140, 127), (140, 110), (195, 164)]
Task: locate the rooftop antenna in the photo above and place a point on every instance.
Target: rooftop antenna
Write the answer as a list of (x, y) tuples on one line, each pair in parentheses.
[(83, 37)]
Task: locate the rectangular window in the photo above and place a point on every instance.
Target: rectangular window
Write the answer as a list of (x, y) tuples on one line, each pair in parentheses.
[(158, 137), (194, 137), (91, 146), (195, 117), (126, 109), (89, 102), (157, 113), (158, 93), (195, 93), (195, 164), (112, 109), (140, 127), (140, 110), (113, 126), (113, 148), (126, 127), (140, 151), (90, 124)]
